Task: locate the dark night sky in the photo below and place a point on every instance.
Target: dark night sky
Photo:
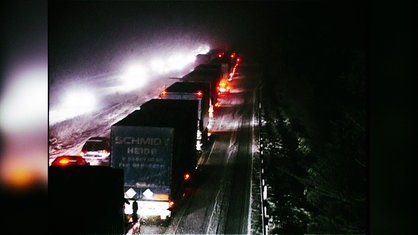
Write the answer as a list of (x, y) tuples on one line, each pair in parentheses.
[(220, 21), (82, 33), (95, 35)]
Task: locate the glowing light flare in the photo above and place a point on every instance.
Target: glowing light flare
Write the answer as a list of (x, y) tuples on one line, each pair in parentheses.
[(64, 161), (23, 160), (75, 102), (222, 84), (223, 87), (171, 204), (178, 61), (135, 76), (79, 99), (174, 61), (202, 49), (187, 176), (157, 65), (24, 99), (23, 118), (199, 94), (163, 93)]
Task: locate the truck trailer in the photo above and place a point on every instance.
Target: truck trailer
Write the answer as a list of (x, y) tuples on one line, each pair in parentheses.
[(199, 91), (210, 75), (182, 115), (155, 146)]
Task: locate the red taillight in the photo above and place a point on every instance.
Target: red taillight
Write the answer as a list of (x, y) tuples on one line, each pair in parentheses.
[(187, 176), (223, 86), (163, 93), (199, 93), (64, 162), (233, 55), (171, 204)]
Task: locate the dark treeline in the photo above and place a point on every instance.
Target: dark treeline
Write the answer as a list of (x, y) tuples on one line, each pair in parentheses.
[(315, 112)]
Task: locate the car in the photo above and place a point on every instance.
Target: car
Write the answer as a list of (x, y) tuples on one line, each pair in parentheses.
[(96, 151), (69, 160)]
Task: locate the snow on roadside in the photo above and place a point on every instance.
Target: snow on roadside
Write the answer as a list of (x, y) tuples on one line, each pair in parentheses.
[(68, 136)]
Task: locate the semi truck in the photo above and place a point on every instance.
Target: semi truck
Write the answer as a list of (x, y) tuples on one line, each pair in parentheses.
[(155, 147), (210, 76), (227, 59), (209, 56), (199, 91), (202, 59)]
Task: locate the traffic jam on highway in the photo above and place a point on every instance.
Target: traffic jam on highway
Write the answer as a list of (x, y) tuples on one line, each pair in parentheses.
[(150, 162)]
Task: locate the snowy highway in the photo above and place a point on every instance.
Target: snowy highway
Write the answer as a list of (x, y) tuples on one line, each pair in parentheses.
[(221, 201)]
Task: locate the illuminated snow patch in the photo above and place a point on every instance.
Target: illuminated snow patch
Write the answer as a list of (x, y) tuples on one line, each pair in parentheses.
[(178, 61), (157, 65), (24, 101), (80, 99), (23, 121), (75, 103), (135, 76), (202, 49), (172, 61)]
